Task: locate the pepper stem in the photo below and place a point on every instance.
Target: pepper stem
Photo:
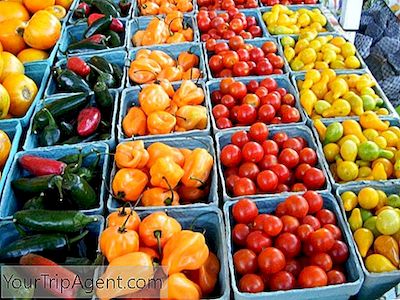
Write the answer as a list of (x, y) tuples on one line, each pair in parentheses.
[(122, 212), (78, 237), (157, 234), (122, 229), (199, 180)]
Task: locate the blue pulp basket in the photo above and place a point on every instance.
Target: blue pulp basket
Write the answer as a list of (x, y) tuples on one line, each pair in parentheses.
[(9, 233), (10, 203), (13, 130), (39, 73), (73, 21), (329, 27), (181, 142), (75, 32), (282, 80), (375, 284), (224, 138), (290, 5), (341, 291), (257, 43), (377, 88), (142, 22), (136, 12), (116, 57), (129, 98), (363, 66), (210, 221), (174, 51), (31, 141)]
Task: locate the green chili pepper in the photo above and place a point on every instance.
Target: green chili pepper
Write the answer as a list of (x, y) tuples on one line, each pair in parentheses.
[(38, 202), (118, 73), (103, 97), (67, 129), (114, 40), (36, 185), (107, 78), (79, 191), (102, 64), (51, 133), (98, 26), (79, 139), (69, 81)]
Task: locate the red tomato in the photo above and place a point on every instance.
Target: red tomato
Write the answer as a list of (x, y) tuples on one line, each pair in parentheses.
[(337, 234), (262, 92), (244, 211), (312, 276), (257, 241), (280, 138), (290, 223), (311, 220), (269, 83), (228, 101), (298, 187), (267, 181), (280, 210), (303, 231), (252, 86), (216, 97), (234, 113), (231, 156), (210, 44), (325, 216), (291, 115), (251, 99), (269, 47), (241, 69), (255, 30), (256, 54), (245, 261), (315, 202), (273, 100), (282, 281), (249, 170), (308, 156), (314, 179), (322, 240), (259, 132), (266, 113), (229, 59), (270, 147), (230, 171), (272, 225), (282, 92), (271, 260), (225, 84), (264, 67), (339, 252), (288, 99), (335, 277), (223, 123), (237, 26), (244, 57), (296, 206), (240, 138), (252, 152), (216, 64), (251, 283), (322, 260), (247, 114), (282, 172), (268, 161), (289, 244), (301, 171), (293, 266), (282, 188), (293, 143), (289, 158), (231, 181), (259, 221), (244, 186), (240, 233), (220, 111)]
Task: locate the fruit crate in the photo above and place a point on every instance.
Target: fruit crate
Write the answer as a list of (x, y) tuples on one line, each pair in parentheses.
[(257, 43), (329, 26), (363, 66), (290, 5), (74, 21), (10, 203), (137, 14), (31, 141), (75, 33), (141, 23), (378, 90), (375, 284), (336, 185), (173, 51), (13, 130), (224, 138), (210, 221), (129, 99), (341, 291), (282, 80), (181, 142), (116, 57)]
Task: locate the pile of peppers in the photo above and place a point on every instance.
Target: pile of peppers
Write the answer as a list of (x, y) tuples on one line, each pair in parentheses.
[(70, 182), (191, 269), (87, 9), (162, 110), (170, 30), (161, 175)]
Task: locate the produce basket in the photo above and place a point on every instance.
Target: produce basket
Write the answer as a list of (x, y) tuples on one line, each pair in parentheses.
[(290, 5), (342, 291), (115, 57), (11, 203), (181, 142), (129, 98), (13, 129), (136, 12), (173, 51), (282, 80), (224, 138), (375, 284), (31, 141)]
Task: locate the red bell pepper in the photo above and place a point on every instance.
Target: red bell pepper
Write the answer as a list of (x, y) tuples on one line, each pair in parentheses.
[(39, 166), (88, 121), (79, 66)]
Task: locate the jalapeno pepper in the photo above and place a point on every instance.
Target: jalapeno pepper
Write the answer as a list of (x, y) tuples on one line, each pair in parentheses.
[(103, 97), (102, 64), (107, 78), (50, 134), (95, 42), (79, 191), (79, 139), (38, 202), (98, 26), (69, 81), (36, 185)]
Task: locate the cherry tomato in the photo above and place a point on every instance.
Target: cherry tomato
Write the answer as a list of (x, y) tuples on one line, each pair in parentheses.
[(256, 54), (231, 171), (251, 99), (220, 111), (272, 225), (266, 113), (268, 161), (216, 97), (282, 92), (293, 143), (204, 24), (231, 181), (335, 277), (339, 252), (255, 31), (252, 85), (273, 100), (246, 35), (261, 92), (315, 201), (217, 21), (269, 83), (301, 170), (288, 99), (232, 11), (225, 84), (312, 276), (223, 123), (289, 158), (291, 115), (322, 240), (264, 67), (322, 260), (241, 69), (244, 56), (251, 283), (280, 138), (252, 152), (237, 26), (297, 206), (282, 281), (280, 210), (240, 233), (257, 241), (290, 223), (337, 234), (238, 90), (282, 172), (311, 220), (225, 73), (240, 138), (308, 156), (244, 211), (216, 63), (304, 231), (228, 101), (293, 266), (249, 170), (270, 147), (231, 156), (244, 186), (259, 221), (224, 16), (245, 261), (276, 61), (314, 179), (271, 260), (325, 216), (282, 188), (259, 132), (289, 244), (267, 181), (229, 59), (269, 47)]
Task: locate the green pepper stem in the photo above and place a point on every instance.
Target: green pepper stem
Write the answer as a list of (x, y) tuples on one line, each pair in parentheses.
[(170, 189), (157, 235), (78, 237), (199, 180), (122, 229)]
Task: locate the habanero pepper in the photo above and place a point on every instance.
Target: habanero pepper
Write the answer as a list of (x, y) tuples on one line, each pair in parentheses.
[(191, 117), (167, 87), (143, 53), (186, 152), (78, 65), (160, 122), (153, 98), (179, 287), (137, 38), (165, 173), (184, 6), (188, 60), (193, 195), (135, 122), (192, 74), (128, 184), (162, 58), (118, 218), (116, 241), (143, 70), (149, 8), (160, 197), (158, 150), (131, 154), (185, 250), (174, 20), (151, 252), (166, 8), (187, 33), (39, 166), (172, 109), (188, 94), (171, 74), (197, 168), (156, 33), (176, 38), (79, 191)]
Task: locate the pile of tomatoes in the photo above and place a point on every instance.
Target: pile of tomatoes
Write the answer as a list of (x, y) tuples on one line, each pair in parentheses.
[(226, 4), (238, 104), (255, 164), (226, 25), (237, 58), (297, 246)]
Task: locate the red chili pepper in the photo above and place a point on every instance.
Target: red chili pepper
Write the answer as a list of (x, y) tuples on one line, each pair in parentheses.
[(97, 38), (82, 11), (88, 121), (39, 166), (116, 25), (94, 17), (78, 65), (55, 272)]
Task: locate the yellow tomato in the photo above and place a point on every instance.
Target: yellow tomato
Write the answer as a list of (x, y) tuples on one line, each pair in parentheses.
[(57, 10), (5, 146), (64, 3), (4, 102), (11, 65), (30, 54)]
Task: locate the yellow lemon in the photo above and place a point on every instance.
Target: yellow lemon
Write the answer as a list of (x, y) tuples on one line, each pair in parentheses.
[(368, 198)]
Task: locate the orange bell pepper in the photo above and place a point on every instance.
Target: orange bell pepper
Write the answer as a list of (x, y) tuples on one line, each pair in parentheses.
[(158, 150), (197, 168), (137, 38), (135, 122), (153, 98), (188, 94), (116, 241), (160, 197), (192, 117), (144, 70), (185, 250), (188, 195), (174, 21), (157, 228), (171, 74), (143, 53), (156, 33), (149, 8), (162, 58), (207, 275), (192, 74), (176, 38), (188, 60), (128, 184), (131, 155), (179, 287), (165, 173), (119, 217), (160, 122)]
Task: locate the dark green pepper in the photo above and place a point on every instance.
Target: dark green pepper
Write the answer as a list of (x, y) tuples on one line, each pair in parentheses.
[(69, 81), (79, 191), (113, 39), (118, 73), (86, 45), (89, 173), (51, 134), (67, 129), (106, 7), (98, 26), (102, 64), (79, 139), (107, 78), (103, 98), (36, 185), (38, 202)]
